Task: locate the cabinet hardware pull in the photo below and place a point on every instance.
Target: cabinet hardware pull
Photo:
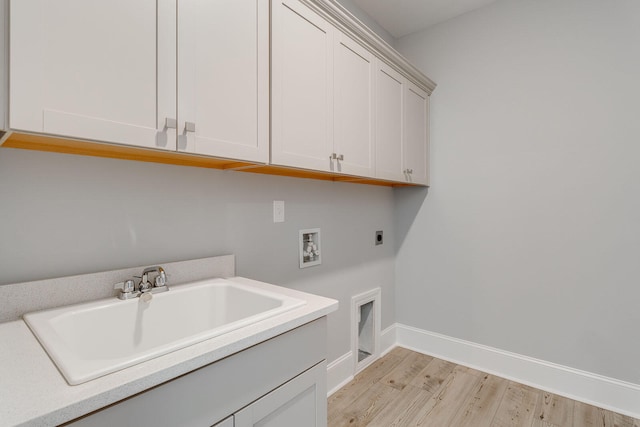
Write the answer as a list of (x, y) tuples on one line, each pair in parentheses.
[(189, 127), (170, 123)]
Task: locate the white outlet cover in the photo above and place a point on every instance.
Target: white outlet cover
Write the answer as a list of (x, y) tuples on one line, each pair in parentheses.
[(278, 211)]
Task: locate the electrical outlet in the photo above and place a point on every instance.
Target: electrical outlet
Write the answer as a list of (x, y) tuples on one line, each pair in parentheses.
[(378, 237), (278, 211)]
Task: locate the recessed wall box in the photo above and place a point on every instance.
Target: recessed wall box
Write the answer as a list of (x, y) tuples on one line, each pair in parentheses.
[(310, 251), (365, 328)]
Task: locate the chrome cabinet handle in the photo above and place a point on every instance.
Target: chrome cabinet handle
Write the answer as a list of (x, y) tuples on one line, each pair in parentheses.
[(189, 127)]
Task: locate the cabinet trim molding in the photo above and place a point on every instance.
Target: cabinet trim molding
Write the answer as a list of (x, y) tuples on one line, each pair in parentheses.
[(340, 17)]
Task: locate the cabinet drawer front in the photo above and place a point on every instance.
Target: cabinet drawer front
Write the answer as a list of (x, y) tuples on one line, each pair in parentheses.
[(300, 402), (209, 394)]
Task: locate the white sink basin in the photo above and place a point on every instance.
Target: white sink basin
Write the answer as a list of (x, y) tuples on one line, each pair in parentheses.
[(92, 339)]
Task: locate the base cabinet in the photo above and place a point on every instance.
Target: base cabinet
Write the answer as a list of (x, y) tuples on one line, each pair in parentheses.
[(300, 402), (280, 382)]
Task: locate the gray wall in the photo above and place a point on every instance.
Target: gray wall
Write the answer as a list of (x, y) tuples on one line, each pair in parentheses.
[(529, 238), (63, 215)]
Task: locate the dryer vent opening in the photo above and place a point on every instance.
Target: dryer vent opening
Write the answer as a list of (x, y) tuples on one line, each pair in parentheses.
[(365, 329)]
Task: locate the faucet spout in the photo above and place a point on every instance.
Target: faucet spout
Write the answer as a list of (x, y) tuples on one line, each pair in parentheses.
[(160, 282)]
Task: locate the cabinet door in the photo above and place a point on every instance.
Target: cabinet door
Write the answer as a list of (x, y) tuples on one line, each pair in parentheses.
[(223, 78), (227, 422), (94, 69), (302, 87), (390, 86), (416, 135), (299, 402), (353, 107), (4, 67)]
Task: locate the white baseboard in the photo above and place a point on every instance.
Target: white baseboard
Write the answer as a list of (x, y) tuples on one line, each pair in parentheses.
[(594, 389), (339, 373), (388, 339)]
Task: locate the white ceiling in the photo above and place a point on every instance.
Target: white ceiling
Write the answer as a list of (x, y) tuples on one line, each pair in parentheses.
[(402, 17)]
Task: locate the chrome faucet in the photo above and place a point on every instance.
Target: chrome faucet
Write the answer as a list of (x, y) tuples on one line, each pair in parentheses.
[(160, 280), (128, 288)]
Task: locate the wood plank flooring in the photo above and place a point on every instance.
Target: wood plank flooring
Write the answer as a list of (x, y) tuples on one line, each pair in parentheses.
[(405, 388)]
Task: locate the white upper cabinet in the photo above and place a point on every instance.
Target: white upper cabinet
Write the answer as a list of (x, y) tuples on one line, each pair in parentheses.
[(390, 87), (354, 73), (93, 69), (302, 87), (223, 78), (336, 106), (402, 131), (416, 135), (294, 83), (106, 71), (322, 99)]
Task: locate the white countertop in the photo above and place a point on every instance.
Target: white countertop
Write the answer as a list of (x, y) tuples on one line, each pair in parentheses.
[(34, 393)]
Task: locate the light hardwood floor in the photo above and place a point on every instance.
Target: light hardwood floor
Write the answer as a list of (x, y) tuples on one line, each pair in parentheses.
[(405, 388)]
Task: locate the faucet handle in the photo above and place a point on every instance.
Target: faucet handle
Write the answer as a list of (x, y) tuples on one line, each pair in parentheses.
[(126, 286), (127, 289), (161, 278)]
